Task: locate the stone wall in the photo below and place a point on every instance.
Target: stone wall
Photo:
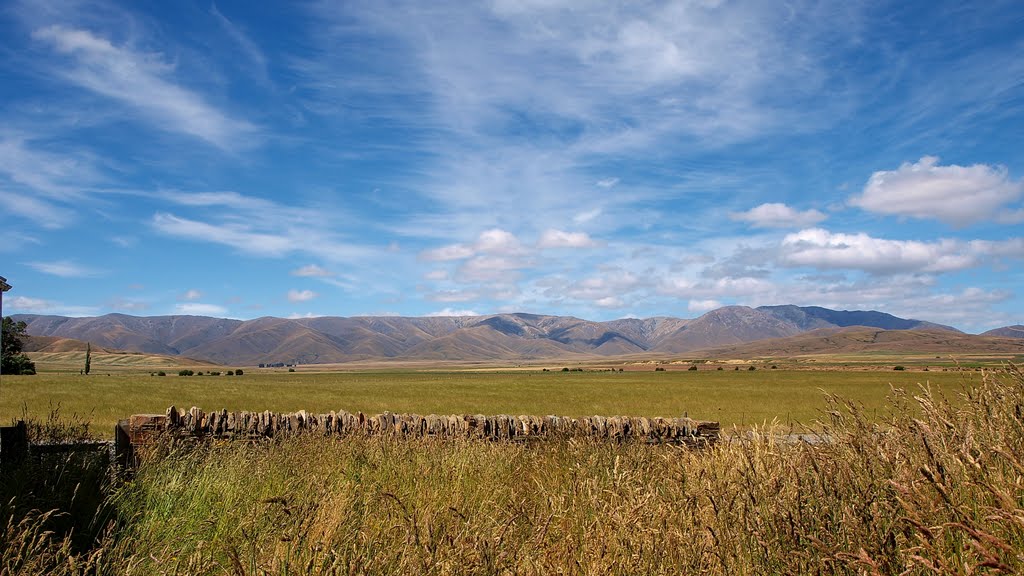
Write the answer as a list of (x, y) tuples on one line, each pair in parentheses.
[(225, 424)]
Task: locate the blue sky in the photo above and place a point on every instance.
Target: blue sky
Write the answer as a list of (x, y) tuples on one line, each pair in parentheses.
[(601, 160)]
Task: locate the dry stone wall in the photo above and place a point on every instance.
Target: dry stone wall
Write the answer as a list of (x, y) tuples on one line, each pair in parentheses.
[(225, 424)]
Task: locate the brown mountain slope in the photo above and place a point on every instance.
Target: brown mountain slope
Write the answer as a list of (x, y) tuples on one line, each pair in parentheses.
[(724, 326), (860, 339), (52, 344), (1015, 331), (497, 337)]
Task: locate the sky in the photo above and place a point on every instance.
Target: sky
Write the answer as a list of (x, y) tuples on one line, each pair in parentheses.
[(596, 159)]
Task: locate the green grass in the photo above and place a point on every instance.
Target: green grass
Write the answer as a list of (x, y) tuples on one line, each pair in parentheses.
[(730, 397)]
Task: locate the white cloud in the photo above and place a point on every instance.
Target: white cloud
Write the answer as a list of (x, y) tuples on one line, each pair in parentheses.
[(820, 248), (610, 302), (452, 312), (701, 306), (452, 296), (140, 81), (64, 269), (498, 241), (587, 216), (199, 309), (46, 214), (608, 182), (301, 295), (775, 215), (236, 236), (495, 269), (445, 253), (28, 305), (191, 295), (493, 241), (559, 239), (436, 275), (312, 271), (958, 195), (297, 316)]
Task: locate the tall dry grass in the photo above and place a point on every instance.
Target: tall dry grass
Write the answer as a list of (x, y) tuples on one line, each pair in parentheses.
[(937, 489)]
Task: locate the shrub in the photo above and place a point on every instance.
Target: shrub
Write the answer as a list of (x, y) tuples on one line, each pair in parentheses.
[(659, 369), (774, 366), (719, 368), (214, 373), (752, 368), (231, 373), (692, 368), (291, 369), (161, 373), (565, 369), (238, 372), (186, 373), (901, 368)]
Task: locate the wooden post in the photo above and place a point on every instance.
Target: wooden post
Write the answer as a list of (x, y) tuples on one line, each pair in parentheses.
[(13, 444)]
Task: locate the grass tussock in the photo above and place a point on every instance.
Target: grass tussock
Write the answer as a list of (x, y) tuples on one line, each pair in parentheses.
[(937, 488)]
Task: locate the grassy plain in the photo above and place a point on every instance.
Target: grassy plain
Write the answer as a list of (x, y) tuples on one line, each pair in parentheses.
[(935, 489), (729, 396)]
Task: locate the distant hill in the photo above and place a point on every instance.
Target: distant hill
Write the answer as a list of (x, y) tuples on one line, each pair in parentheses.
[(497, 337), (862, 339), (1015, 331), (813, 317)]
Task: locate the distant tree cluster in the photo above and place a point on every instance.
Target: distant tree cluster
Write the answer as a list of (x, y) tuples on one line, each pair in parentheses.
[(13, 360)]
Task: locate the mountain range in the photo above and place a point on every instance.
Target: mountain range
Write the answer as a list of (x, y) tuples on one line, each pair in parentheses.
[(500, 337)]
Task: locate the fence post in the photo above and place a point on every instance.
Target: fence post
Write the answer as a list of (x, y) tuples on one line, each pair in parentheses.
[(13, 444)]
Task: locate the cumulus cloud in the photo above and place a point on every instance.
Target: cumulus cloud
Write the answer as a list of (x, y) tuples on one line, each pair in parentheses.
[(493, 241), (312, 271), (452, 312), (819, 248), (200, 309), (559, 239), (958, 195), (436, 275), (64, 269), (702, 306), (301, 295), (776, 215), (498, 241), (607, 182)]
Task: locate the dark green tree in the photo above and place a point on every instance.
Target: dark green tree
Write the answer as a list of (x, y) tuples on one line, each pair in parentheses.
[(88, 357), (13, 360)]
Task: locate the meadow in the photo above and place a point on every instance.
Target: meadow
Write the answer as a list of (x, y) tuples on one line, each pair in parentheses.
[(926, 486), (732, 397)]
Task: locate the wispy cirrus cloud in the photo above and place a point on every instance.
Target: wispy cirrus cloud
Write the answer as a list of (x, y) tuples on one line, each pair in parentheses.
[(143, 82), (30, 305), (64, 269), (312, 271), (560, 239)]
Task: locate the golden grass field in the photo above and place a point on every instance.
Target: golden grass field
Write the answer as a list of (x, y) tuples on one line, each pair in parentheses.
[(924, 486), (732, 397)]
